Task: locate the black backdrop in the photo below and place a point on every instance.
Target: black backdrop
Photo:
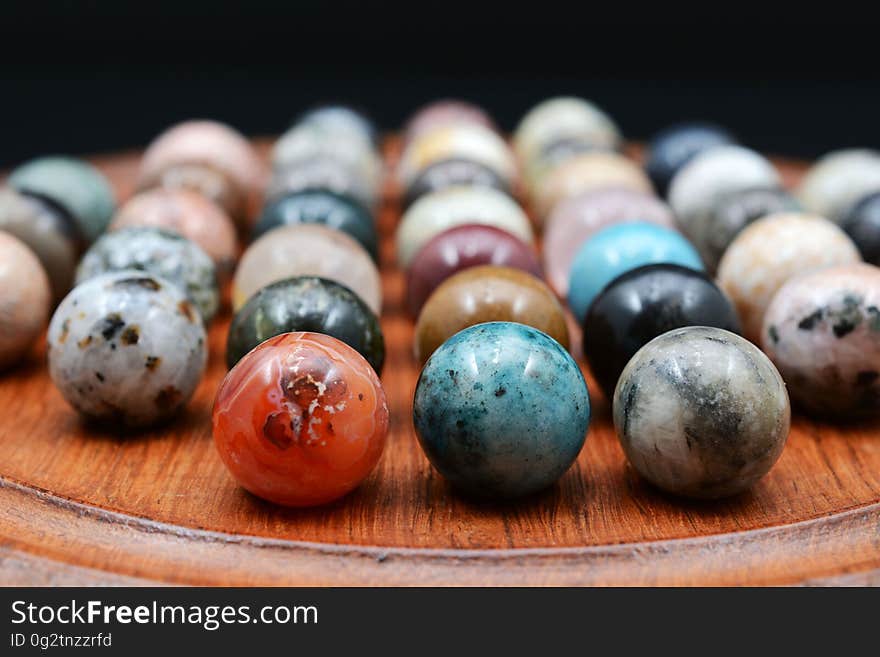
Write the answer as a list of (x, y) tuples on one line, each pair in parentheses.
[(92, 75)]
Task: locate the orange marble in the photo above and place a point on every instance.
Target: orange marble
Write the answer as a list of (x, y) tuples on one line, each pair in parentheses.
[(301, 420)]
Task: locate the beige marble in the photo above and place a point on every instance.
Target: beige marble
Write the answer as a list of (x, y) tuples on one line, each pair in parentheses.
[(772, 250), (307, 250)]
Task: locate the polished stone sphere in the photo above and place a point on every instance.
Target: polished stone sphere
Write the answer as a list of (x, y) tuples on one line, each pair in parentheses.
[(862, 224), (460, 248), (646, 302), (301, 420), (324, 208), (701, 412), (822, 330), (75, 185), (618, 249), (487, 294), (501, 410), (672, 148), (306, 303)]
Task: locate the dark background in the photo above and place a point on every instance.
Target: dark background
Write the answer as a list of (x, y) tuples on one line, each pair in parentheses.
[(86, 76)]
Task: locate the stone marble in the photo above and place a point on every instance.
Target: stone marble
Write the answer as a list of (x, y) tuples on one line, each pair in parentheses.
[(443, 113), (127, 348), (322, 172), (301, 420), (324, 208), (575, 220), (47, 230), (460, 248), (822, 330), (24, 299), (75, 185), (307, 250), (453, 172), (161, 253), (501, 410), (618, 249), (486, 294), (563, 118), (475, 143), (210, 143), (718, 171), (862, 224), (700, 412), (188, 214), (456, 206), (583, 173), (341, 119), (714, 231), (205, 180), (672, 148), (640, 305), (302, 143), (839, 180), (306, 303), (772, 250)]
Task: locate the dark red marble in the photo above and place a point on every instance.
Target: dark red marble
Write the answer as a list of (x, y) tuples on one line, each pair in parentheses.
[(459, 248)]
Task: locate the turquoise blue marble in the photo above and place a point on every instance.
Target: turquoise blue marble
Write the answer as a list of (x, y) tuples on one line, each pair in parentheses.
[(75, 185), (501, 410), (619, 249), (321, 206)]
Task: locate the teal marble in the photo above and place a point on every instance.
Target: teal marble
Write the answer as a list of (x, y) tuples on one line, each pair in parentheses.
[(501, 410), (75, 185), (621, 248), (320, 206)]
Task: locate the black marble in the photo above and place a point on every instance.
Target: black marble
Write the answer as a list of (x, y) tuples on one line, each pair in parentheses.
[(644, 303), (672, 148)]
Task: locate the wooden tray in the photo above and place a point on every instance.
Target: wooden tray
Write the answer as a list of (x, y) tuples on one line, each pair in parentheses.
[(78, 507)]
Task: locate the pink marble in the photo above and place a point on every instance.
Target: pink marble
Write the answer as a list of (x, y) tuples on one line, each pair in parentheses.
[(576, 219)]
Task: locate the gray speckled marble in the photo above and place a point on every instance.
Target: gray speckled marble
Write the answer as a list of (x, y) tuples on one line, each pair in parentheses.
[(701, 412), (501, 410), (127, 348), (161, 253)]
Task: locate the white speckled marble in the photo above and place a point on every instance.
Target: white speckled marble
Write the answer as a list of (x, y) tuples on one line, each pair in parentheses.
[(839, 180), (127, 348), (712, 174), (455, 206), (24, 299), (563, 118), (161, 253), (772, 250), (322, 172), (305, 142), (701, 412), (467, 141), (822, 330), (307, 250), (587, 172)]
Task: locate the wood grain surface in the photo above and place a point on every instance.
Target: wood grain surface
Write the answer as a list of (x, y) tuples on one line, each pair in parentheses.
[(78, 506)]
